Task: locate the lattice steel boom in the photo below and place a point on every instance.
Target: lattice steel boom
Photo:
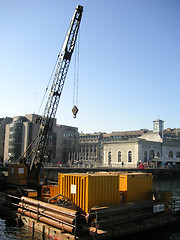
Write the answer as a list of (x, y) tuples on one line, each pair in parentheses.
[(60, 74)]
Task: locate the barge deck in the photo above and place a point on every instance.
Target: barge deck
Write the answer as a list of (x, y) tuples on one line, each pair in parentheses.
[(99, 223), (93, 233)]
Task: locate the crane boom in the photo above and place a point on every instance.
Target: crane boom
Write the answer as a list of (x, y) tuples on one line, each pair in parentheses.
[(60, 74)]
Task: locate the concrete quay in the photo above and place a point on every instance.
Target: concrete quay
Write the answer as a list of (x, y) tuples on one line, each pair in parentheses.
[(158, 173)]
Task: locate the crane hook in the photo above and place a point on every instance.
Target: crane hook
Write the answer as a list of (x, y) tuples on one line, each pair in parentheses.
[(75, 111)]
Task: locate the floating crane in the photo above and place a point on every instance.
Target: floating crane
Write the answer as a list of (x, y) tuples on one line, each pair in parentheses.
[(47, 119)]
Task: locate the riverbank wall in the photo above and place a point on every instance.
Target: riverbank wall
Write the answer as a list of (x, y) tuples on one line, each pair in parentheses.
[(158, 173)]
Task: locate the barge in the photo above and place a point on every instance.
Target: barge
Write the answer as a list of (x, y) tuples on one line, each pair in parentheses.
[(99, 206)]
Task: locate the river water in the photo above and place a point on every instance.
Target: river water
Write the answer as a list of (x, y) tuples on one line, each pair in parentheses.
[(172, 232), (8, 231)]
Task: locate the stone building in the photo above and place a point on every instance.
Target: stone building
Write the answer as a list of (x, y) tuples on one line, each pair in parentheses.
[(3, 122), (67, 145), (90, 149), (127, 149), (23, 130)]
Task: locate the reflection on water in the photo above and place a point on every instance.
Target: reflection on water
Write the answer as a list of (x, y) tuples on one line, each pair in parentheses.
[(172, 232), (8, 231), (171, 185)]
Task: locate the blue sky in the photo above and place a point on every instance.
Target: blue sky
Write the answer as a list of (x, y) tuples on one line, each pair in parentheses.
[(129, 65)]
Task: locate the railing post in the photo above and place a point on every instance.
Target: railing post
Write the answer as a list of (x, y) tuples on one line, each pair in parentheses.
[(75, 229), (96, 222), (38, 212), (22, 205), (33, 229)]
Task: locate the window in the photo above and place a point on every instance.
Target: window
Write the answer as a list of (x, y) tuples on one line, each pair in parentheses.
[(119, 156), (145, 156), (178, 155), (151, 154), (109, 158), (20, 170), (170, 154), (129, 156), (158, 154)]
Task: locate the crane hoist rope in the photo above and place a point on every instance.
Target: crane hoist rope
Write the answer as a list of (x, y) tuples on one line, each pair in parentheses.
[(50, 80), (76, 79)]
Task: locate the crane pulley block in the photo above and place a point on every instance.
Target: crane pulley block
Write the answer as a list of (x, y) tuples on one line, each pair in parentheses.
[(75, 111)]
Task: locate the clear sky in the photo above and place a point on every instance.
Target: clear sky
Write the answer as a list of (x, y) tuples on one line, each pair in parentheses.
[(129, 64)]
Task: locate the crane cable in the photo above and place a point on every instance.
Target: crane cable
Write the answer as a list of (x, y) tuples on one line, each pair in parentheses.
[(77, 69), (76, 79), (25, 152), (52, 74), (44, 96), (50, 80)]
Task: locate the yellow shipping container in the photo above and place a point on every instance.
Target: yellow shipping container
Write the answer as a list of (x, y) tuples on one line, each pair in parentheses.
[(135, 187), (89, 190)]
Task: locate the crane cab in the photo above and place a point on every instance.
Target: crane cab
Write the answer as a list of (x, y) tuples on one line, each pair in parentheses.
[(18, 174), (18, 177)]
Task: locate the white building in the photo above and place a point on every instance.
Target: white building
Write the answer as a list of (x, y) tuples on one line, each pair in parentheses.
[(126, 149)]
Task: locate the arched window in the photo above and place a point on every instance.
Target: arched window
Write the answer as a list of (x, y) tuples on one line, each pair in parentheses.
[(151, 154), (170, 154), (158, 154), (145, 156), (119, 156), (129, 156), (178, 155), (109, 158)]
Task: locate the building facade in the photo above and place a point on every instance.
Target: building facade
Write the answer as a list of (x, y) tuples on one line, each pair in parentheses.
[(127, 149), (23, 130), (90, 149), (128, 153), (3, 123), (67, 145), (69, 148)]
